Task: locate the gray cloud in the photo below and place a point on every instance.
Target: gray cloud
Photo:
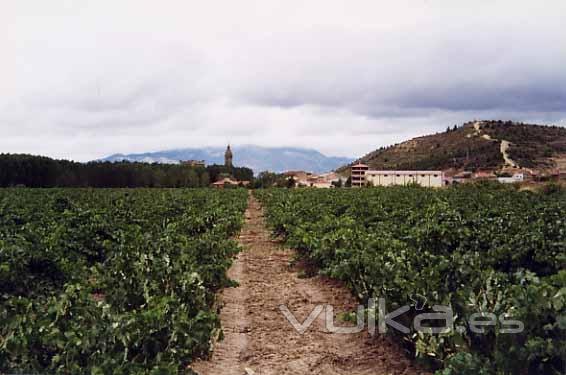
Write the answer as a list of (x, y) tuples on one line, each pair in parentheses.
[(90, 78)]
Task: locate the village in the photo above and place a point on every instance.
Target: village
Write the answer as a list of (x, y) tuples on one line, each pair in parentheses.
[(361, 175)]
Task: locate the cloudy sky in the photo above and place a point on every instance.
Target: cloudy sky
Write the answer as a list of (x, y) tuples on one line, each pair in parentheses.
[(84, 79)]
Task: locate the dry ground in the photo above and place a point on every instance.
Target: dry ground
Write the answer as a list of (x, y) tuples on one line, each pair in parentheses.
[(258, 338)]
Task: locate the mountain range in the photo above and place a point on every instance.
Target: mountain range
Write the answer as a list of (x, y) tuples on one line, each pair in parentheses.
[(275, 159), (475, 145)]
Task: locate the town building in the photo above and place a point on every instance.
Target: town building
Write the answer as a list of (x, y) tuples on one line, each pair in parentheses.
[(390, 178), (484, 176), (327, 180), (308, 179), (517, 177), (194, 163), (361, 175), (358, 174), (229, 182), (301, 178)]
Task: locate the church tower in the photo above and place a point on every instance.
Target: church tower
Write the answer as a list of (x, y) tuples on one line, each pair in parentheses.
[(228, 157)]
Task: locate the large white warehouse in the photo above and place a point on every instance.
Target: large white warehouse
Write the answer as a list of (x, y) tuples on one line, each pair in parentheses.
[(362, 176)]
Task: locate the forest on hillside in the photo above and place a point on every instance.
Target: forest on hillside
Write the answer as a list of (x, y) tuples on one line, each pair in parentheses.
[(38, 171)]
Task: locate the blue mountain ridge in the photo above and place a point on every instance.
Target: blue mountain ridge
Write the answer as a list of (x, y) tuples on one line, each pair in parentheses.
[(274, 159)]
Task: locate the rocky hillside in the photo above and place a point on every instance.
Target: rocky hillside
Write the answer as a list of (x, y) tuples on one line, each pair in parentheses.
[(485, 145)]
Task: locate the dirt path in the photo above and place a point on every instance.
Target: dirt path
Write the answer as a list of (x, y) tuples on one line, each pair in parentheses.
[(503, 148), (504, 152), (258, 338)]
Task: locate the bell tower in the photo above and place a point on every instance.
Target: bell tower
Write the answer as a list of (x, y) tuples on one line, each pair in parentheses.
[(228, 157)]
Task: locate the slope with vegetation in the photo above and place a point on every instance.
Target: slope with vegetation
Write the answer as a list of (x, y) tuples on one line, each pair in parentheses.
[(531, 146), (466, 148)]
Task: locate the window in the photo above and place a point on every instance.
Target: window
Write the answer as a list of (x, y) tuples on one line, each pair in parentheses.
[(398, 175), (422, 175), (435, 175)]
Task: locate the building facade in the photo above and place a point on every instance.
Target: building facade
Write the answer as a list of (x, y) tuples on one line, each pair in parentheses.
[(358, 174), (517, 177), (362, 176), (227, 182), (194, 163), (390, 178)]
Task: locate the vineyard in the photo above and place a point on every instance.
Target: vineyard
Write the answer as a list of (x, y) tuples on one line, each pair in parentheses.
[(112, 281), (125, 281), (486, 250)]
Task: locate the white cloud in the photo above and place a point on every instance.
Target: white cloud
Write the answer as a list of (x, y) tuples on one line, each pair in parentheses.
[(85, 79)]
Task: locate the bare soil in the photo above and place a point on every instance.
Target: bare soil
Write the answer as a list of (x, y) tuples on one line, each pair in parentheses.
[(258, 339)]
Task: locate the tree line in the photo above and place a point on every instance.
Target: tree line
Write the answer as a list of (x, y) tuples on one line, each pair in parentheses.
[(38, 171)]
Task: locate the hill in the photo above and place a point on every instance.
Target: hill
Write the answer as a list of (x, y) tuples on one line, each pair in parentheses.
[(277, 159), (479, 145)]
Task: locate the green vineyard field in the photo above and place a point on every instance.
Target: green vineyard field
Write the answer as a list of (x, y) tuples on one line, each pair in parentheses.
[(478, 249), (112, 281)]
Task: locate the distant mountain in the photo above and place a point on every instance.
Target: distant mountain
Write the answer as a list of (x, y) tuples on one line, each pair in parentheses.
[(275, 159), (478, 145)]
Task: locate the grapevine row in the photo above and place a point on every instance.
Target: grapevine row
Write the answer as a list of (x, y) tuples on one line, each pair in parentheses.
[(475, 249)]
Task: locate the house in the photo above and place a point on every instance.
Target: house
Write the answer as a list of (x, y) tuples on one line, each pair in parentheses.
[(484, 175), (308, 179), (193, 163), (330, 177), (327, 180), (227, 181), (321, 185), (298, 175), (462, 177)]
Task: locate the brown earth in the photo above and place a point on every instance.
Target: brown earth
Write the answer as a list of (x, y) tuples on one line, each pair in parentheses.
[(473, 146), (259, 340)]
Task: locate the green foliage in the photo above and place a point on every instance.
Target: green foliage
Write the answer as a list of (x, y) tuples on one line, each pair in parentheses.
[(112, 281), (530, 144), (481, 248), (465, 364), (269, 179), (36, 171)]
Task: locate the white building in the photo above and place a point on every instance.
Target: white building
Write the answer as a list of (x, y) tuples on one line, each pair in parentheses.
[(517, 177), (391, 178)]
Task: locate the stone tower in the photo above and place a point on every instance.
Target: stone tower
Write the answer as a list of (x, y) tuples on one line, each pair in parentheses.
[(228, 157)]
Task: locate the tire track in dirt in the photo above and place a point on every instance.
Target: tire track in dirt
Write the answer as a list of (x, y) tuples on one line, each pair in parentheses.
[(258, 338)]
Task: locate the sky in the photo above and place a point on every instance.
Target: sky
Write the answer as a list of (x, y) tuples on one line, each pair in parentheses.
[(85, 79)]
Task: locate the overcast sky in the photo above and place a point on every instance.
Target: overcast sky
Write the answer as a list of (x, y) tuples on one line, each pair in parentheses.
[(84, 79)]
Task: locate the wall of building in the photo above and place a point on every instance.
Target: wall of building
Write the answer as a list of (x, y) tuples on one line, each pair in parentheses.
[(389, 178), (358, 175), (518, 177)]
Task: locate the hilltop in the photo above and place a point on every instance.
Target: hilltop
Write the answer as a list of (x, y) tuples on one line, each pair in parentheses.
[(478, 145), (275, 159)]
